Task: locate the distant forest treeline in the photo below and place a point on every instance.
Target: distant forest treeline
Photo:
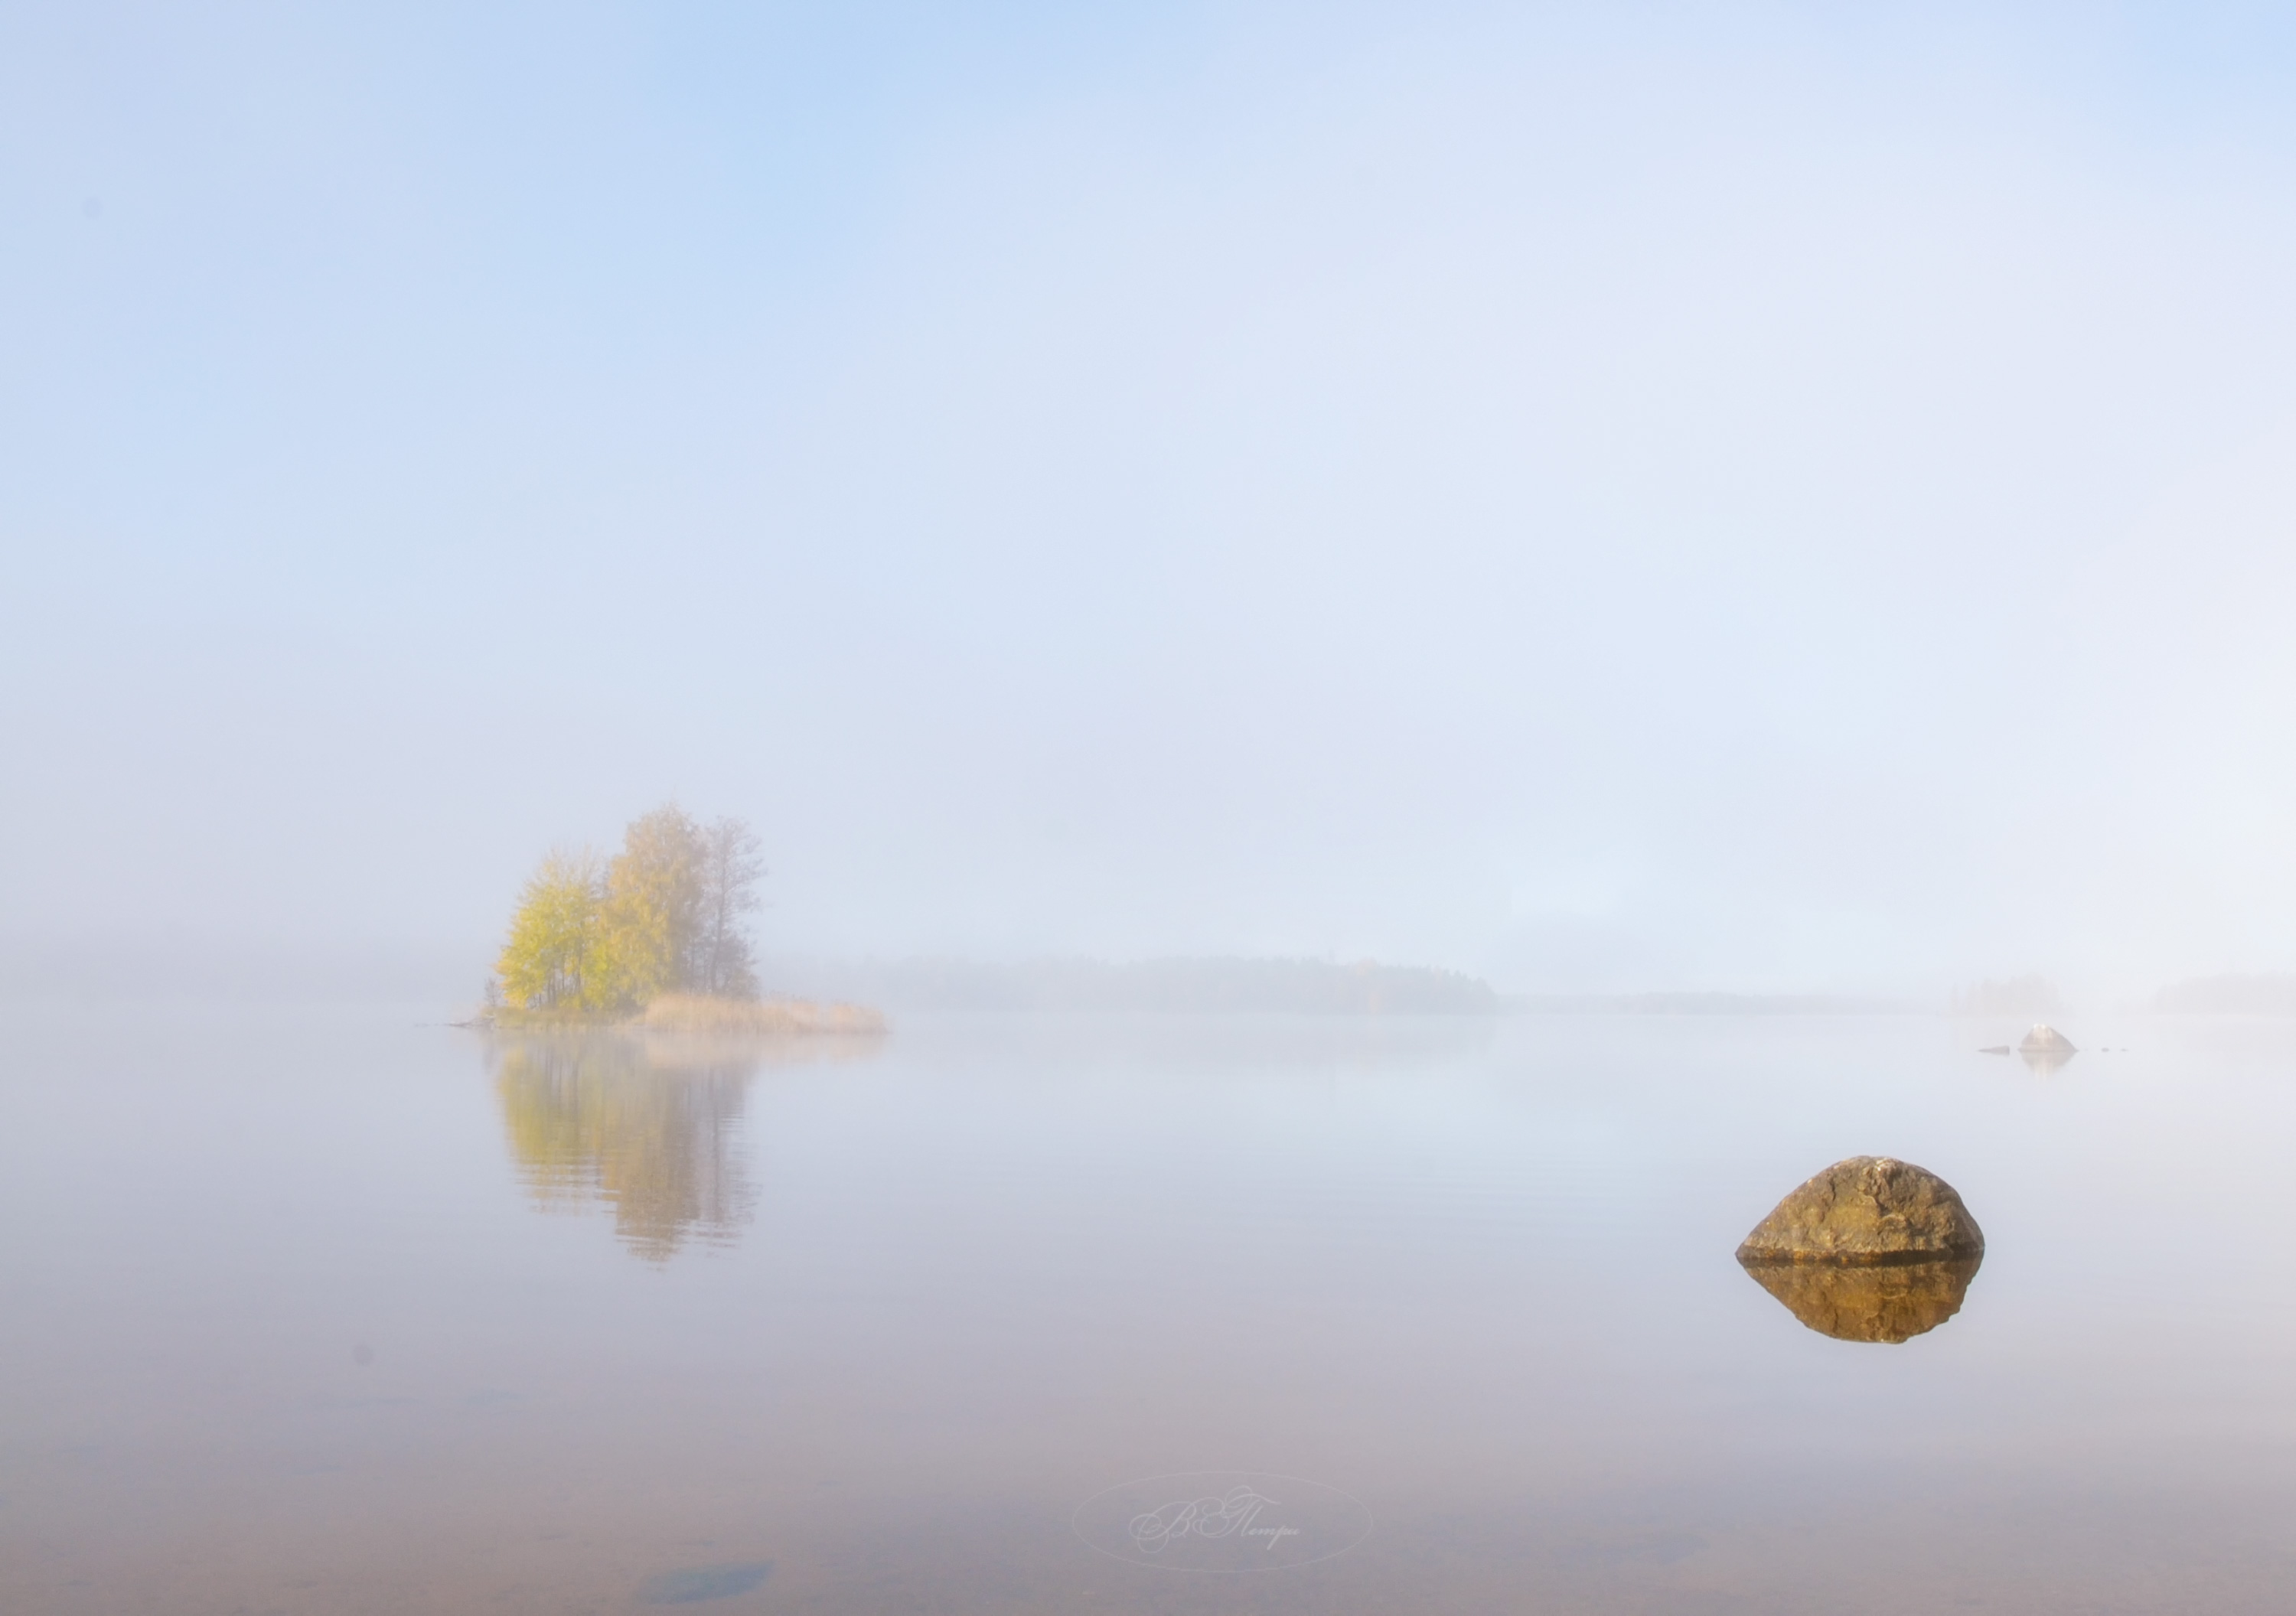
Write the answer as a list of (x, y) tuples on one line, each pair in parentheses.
[(2230, 996), (1231, 986), (1707, 1004), (2035, 996)]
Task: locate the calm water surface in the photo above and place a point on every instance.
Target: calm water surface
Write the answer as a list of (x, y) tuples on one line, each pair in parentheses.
[(333, 1313)]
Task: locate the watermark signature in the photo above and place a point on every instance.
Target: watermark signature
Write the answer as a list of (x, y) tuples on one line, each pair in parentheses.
[(1231, 1514), (1222, 1521)]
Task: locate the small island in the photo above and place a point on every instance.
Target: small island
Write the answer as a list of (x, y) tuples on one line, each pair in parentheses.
[(653, 938)]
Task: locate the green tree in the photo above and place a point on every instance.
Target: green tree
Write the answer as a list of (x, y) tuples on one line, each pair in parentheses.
[(552, 960)]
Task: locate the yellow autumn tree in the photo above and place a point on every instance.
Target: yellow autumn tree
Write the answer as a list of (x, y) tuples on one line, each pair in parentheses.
[(652, 911), (552, 960), (663, 916)]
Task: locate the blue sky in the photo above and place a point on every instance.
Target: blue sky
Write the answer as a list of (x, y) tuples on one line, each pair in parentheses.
[(1726, 497)]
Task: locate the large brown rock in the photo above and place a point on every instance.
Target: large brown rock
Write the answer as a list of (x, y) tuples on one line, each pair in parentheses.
[(1883, 1301), (1867, 1210)]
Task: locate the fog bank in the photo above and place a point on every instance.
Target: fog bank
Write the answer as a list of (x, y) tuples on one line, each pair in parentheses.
[(1749, 501)]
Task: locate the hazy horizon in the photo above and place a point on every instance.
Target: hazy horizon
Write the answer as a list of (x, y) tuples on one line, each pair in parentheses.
[(1752, 499)]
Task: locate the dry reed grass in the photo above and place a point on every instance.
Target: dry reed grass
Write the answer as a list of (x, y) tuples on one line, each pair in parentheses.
[(722, 1017)]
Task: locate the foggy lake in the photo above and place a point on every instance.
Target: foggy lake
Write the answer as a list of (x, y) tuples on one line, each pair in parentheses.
[(832, 809), (329, 1312)]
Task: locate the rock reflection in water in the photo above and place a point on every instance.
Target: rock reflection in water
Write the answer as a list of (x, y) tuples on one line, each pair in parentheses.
[(1884, 1301), (2046, 1049), (651, 1129)]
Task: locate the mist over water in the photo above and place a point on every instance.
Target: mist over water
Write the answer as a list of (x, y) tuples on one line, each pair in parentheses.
[(1757, 502), (331, 1314)]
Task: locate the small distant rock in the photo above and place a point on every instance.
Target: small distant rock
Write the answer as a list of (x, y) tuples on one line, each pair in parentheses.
[(2045, 1040), (1995, 1049), (1866, 1208)]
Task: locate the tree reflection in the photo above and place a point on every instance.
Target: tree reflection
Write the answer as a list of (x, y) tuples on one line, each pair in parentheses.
[(652, 1130)]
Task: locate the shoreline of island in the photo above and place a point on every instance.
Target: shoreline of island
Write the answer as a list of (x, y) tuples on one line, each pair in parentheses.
[(694, 1015)]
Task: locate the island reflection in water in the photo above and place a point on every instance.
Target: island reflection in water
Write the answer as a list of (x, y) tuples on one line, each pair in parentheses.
[(1880, 1301), (647, 1124)]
